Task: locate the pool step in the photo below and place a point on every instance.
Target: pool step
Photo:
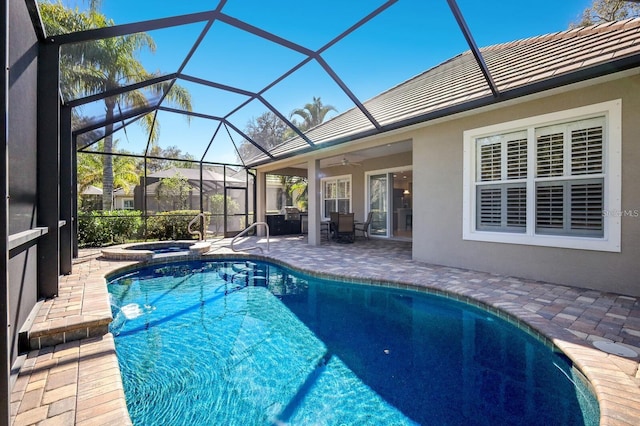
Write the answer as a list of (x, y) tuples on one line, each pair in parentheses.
[(247, 273)]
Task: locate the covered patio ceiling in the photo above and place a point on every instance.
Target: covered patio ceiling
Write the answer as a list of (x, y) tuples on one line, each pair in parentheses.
[(238, 65)]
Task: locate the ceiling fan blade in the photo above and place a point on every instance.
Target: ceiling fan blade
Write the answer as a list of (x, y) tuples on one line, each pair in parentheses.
[(344, 162)]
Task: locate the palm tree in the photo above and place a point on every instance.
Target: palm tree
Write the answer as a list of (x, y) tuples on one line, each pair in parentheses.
[(103, 65), (312, 113), (126, 170), (302, 188)]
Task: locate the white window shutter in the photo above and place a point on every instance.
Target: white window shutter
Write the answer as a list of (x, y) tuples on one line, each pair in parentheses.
[(586, 151), (517, 207), (489, 207), (549, 207), (587, 201), (550, 155), (490, 162), (517, 159)]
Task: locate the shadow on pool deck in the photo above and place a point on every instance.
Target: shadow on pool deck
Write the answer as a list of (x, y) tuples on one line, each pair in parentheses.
[(61, 384)]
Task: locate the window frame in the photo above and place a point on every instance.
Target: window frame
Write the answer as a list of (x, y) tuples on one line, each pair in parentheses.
[(612, 175), (130, 202), (336, 180)]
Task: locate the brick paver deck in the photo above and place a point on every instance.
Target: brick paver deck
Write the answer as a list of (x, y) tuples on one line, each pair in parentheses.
[(72, 375)]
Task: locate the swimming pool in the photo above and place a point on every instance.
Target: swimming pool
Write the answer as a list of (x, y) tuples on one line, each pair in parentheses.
[(237, 342)]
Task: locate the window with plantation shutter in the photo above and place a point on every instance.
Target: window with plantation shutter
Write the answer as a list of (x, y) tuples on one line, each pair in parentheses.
[(548, 180), (568, 157), (336, 195), (501, 190)]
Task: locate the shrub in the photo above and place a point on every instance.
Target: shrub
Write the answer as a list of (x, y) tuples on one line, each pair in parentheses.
[(98, 228), (92, 231), (173, 225), (125, 224)]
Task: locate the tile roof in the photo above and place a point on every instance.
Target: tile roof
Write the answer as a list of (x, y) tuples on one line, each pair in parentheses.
[(518, 68)]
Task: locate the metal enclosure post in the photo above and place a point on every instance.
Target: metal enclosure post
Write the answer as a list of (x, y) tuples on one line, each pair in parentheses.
[(48, 169), (224, 201), (66, 195), (202, 221), (260, 199), (74, 191), (254, 196), (145, 213), (5, 335)]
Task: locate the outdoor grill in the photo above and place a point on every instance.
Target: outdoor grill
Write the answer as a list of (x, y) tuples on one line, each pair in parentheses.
[(291, 213)]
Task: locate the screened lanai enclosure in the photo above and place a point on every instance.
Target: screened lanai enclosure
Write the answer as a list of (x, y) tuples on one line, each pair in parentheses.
[(180, 138), (190, 132)]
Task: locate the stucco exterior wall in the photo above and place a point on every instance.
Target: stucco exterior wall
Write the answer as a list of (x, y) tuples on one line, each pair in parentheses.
[(438, 200)]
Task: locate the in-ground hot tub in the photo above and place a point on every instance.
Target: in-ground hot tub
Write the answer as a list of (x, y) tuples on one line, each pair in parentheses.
[(150, 250)]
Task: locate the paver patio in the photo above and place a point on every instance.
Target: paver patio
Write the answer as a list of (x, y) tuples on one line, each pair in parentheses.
[(77, 380)]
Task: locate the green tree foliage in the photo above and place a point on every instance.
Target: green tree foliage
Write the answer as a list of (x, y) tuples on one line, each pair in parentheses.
[(101, 65), (607, 11), (300, 187), (216, 206), (167, 158), (292, 188), (126, 170), (172, 225), (312, 114), (267, 130), (174, 192)]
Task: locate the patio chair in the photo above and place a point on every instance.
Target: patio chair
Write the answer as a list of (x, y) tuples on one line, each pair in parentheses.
[(363, 227), (345, 228), (333, 224)]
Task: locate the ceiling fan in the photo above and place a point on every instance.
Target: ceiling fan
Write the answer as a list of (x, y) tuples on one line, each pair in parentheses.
[(344, 162)]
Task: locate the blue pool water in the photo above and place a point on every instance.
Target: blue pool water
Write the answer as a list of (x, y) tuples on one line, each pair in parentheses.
[(251, 343), (160, 250)]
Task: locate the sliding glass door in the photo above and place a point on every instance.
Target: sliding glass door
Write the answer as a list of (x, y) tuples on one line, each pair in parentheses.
[(390, 198), (378, 204)]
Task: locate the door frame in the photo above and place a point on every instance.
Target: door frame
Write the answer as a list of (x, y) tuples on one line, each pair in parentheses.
[(387, 171), (227, 217)]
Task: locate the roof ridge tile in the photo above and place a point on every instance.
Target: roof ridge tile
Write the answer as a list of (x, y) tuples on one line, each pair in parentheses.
[(572, 32)]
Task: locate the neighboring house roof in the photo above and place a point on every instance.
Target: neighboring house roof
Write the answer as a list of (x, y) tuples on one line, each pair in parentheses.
[(518, 68), (120, 192), (92, 190), (208, 174)]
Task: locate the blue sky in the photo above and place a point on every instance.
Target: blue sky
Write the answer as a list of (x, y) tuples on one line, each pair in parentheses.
[(409, 37)]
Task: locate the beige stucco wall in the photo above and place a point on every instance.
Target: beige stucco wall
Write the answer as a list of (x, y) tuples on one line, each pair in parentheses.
[(438, 198)]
